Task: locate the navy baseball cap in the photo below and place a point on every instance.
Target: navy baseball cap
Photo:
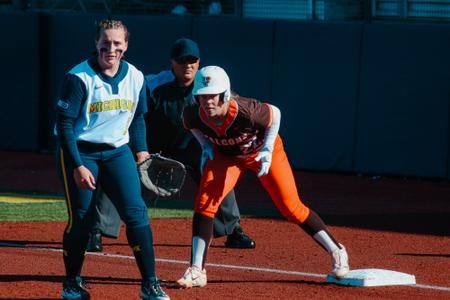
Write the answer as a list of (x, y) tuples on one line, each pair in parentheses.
[(184, 47)]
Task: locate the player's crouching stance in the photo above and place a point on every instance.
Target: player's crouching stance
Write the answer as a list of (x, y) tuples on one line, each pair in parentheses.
[(239, 134)]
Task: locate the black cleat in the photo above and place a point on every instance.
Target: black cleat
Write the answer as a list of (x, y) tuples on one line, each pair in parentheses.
[(95, 242), (152, 290), (73, 289), (238, 239)]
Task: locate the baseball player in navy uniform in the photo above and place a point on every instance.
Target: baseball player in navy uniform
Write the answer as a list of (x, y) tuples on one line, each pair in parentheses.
[(100, 110), (239, 134), (169, 92)]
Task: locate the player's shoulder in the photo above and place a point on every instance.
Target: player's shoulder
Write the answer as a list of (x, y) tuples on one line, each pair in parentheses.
[(81, 74), (130, 66), (245, 102), (154, 81), (132, 69), (82, 67), (250, 106)]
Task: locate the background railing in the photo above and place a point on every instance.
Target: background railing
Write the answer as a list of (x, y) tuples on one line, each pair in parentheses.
[(360, 96), (157, 7), (411, 10)]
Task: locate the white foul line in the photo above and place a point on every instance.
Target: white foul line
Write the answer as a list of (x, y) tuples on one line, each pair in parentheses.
[(184, 262), (432, 287)]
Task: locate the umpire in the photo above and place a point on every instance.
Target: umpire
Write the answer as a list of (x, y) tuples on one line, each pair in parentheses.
[(168, 93)]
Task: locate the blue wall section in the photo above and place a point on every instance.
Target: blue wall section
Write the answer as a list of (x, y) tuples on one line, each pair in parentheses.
[(19, 116), (404, 100), (151, 39), (355, 97), (242, 47), (315, 80)]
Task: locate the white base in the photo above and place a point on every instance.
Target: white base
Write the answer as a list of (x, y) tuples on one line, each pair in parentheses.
[(373, 277)]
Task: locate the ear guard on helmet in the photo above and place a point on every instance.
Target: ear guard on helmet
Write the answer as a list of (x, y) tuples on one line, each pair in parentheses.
[(212, 80)]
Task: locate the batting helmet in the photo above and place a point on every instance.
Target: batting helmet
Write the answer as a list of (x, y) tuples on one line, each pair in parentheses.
[(212, 80)]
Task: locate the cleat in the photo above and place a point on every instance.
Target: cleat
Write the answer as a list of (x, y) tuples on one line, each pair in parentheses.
[(340, 262), (73, 289), (193, 277), (152, 290), (95, 242), (238, 239)]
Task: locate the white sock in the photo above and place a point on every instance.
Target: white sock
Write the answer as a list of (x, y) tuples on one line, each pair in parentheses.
[(198, 249), (325, 240)]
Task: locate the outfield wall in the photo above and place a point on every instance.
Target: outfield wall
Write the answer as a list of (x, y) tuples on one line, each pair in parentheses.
[(369, 98), (19, 81)]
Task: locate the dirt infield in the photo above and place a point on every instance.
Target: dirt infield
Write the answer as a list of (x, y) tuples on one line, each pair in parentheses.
[(400, 225), (31, 270)]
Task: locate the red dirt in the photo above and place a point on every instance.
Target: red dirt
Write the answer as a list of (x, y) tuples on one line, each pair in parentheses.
[(400, 225), (31, 273)]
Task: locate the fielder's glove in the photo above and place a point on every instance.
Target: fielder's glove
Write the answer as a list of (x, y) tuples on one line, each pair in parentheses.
[(265, 156), (161, 175)]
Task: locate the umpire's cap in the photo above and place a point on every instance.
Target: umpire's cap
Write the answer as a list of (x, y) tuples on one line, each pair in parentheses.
[(184, 47)]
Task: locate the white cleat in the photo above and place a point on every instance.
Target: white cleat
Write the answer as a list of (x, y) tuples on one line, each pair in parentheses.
[(193, 277), (340, 262)]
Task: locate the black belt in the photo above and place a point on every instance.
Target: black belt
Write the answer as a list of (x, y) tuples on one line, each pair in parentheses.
[(88, 146)]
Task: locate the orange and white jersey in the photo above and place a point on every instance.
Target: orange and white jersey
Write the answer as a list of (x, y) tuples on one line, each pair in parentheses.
[(241, 134)]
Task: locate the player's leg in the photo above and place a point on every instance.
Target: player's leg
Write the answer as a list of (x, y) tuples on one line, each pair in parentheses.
[(202, 232), (106, 221), (280, 184), (76, 233), (120, 180), (228, 217), (219, 178)]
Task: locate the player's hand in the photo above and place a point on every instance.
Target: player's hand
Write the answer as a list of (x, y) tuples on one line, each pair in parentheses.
[(207, 153), (84, 178), (265, 156), (141, 156)]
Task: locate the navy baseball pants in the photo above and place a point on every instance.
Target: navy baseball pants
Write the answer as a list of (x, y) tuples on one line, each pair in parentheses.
[(115, 169)]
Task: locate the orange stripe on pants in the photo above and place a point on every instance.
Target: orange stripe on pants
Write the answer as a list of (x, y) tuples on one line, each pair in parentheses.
[(222, 173)]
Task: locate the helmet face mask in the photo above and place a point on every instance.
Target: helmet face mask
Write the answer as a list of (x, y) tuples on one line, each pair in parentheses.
[(212, 80)]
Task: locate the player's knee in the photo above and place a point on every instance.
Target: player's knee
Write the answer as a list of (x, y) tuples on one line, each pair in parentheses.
[(78, 215), (207, 205), (76, 231), (297, 215), (205, 212), (136, 216), (79, 219)]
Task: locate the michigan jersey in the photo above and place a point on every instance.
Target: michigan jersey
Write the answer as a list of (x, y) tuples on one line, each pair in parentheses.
[(103, 106)]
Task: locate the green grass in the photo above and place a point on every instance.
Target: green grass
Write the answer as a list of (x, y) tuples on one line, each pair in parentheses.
[(56, 211)]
